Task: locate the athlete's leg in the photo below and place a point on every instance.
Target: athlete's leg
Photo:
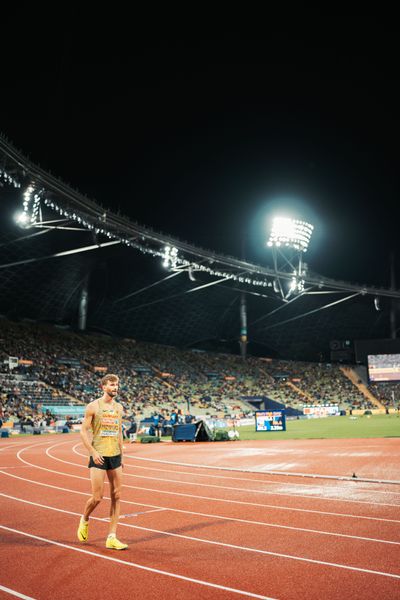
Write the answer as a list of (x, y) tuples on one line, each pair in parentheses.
[(115, 479), (97, 480)]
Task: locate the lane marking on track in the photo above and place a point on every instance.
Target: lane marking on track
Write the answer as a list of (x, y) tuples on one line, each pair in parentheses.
[(221, 487), (244, 479), (294, 495), (14, 444), (139, 566), (269, 472), (135, 514), (14, 593), (223, 544), (143, 512), (18, 444), (213, 516), (239, 502)]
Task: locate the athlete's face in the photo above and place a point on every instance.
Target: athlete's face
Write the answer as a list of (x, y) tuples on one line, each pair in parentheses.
[(111, 388)]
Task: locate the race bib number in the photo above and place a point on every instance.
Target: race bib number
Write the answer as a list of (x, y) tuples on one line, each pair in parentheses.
[(109, 426)]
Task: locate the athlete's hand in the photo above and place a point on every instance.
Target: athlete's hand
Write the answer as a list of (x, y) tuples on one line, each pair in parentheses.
[(97, 458)]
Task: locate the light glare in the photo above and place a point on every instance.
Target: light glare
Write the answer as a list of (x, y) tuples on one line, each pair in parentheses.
[(22, 219), (290, 232)]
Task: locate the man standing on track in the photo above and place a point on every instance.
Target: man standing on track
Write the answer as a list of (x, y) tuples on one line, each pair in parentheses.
[(104, 417)]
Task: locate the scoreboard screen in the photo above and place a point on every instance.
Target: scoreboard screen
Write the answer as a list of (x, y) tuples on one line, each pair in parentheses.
[(270, 420)]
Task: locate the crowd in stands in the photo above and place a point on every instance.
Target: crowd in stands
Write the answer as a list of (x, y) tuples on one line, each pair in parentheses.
[(319, 384), (21, 401), (387, 392), (61, 366)]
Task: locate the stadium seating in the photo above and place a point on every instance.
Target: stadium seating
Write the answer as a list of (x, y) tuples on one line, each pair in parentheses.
[(62, 368)]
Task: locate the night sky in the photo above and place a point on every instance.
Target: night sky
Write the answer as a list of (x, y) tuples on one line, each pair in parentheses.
[(206, 139)]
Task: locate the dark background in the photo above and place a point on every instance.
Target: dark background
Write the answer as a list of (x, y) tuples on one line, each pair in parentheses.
[(206, 139)]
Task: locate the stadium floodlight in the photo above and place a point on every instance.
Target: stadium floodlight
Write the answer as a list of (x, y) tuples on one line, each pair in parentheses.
[(290, 233), (170, 257), (22, 219), (289, 240)]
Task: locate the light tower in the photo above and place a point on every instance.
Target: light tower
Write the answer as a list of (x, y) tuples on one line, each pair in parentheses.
[(288, 240)]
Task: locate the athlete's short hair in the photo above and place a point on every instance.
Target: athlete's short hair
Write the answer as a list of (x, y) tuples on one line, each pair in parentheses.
[(109, 377)]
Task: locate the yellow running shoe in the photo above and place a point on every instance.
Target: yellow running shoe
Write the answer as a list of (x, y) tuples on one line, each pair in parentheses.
[(83, 531), (114, 544)]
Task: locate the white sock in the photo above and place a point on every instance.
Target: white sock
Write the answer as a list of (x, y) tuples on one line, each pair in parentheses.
[(83, 521), (111, 535)]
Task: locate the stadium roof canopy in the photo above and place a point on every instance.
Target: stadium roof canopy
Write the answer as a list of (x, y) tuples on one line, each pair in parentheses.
[(150, 286)]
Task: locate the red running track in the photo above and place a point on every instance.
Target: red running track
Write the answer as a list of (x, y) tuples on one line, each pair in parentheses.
[(197, 531)]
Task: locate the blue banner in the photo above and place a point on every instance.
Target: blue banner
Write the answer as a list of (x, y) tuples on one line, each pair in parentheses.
[(65, 410)]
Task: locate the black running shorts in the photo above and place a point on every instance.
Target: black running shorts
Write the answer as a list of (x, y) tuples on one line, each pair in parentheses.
[(110, 462)]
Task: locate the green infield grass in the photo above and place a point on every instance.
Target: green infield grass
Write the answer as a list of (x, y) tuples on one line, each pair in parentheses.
[(365, 426)]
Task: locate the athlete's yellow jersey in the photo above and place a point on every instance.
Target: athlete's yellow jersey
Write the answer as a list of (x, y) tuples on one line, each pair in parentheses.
[(106, 427)]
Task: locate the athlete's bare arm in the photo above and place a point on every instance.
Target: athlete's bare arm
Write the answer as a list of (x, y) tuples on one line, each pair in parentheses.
[(90, 412)]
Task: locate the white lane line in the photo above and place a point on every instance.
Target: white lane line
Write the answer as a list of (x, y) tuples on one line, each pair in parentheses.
[(350, 481), (225, 545), (269, 472), (15, 467), (235, 489), (223, 500), (209, 475), (14, 593), (145, 512), (136, 514), (254, 491), (138, 566), (142, 512), (13, 444), (213, 516), (246, 480)]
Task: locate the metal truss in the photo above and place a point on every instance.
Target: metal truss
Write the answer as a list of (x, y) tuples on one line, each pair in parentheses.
[(50, 204)]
